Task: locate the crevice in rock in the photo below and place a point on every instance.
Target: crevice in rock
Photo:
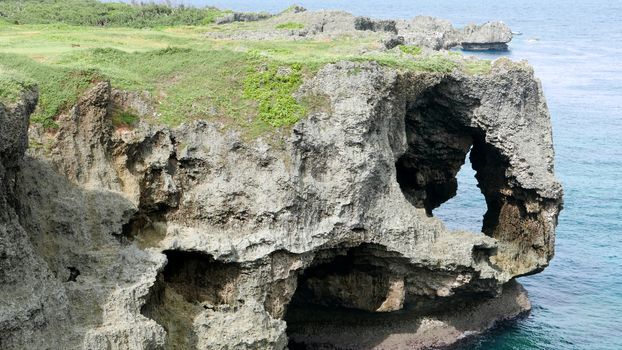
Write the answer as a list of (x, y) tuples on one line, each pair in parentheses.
[(344, 281), (73, 274), (145, 228), (190, 283)]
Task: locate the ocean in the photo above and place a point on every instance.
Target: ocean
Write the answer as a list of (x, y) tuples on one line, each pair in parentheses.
[(575, 48)]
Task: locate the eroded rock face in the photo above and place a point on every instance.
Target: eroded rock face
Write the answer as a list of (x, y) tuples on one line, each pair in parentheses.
[(440, 34), (242, 17), (424, 31), (488, 36), (194, 238)]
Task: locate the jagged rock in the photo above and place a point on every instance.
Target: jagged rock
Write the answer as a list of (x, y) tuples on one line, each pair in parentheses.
[(425, 31), (294, 9), (195, 237), (316, 24), (488, 36), (242, 17), (366, 23), (14, 128), (429, 32), (394, 41), (440, 34)]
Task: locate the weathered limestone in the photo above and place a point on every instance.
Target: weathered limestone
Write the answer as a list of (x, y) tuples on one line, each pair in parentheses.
[(424, 31), (156, 238), (149, 237), (242, 17), (489, 36), (63, 270)]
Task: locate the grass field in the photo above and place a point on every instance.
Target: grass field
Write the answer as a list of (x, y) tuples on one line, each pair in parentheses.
[(189, 75)]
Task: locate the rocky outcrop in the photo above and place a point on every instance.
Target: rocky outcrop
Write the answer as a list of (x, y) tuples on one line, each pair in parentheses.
[(366, 23), (62, 266), (242, 17), (489, 36), (195, 237), (424, 31), (440, 34), (428, 32)]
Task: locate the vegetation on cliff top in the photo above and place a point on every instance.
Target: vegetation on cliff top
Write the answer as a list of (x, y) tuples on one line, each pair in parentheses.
[(290, 25), (273, 87), (111, 14), (410, 49), (165, 51)]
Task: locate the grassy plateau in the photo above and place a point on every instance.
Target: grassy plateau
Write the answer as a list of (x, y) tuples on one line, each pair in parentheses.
[(63, 47)]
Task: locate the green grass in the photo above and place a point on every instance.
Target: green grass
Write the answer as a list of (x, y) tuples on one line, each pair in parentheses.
[(246, 85), (478, 67), (12, 85), (410, 49), (124, 119), (290, 25), (272, 86), (59, 87), (436, 63), (244, 90), (188, 84), (95, 13)]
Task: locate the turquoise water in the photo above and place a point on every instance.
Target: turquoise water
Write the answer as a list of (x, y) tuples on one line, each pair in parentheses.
[(575, 49)]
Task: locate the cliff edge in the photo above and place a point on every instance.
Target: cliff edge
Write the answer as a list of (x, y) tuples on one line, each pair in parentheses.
[(147, 236)]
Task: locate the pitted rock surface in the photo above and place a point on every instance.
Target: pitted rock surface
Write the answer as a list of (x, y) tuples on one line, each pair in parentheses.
[(424, 31), (151, 237)]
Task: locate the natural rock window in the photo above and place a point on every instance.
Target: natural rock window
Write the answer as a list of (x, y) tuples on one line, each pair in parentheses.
[(466, 210), (440, 139), (438, 142)]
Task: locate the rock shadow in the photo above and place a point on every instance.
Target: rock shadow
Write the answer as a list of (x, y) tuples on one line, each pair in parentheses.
[(440, 136), (190, 283)]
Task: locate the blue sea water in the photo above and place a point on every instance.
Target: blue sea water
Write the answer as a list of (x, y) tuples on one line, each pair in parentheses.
[(575, 48)]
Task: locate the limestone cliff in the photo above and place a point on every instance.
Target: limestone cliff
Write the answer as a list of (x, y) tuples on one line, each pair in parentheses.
[(195, 237), (422, 31)]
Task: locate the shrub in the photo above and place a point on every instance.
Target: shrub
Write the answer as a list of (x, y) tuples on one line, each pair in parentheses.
[(12, 86), (410, 49), (436, 63), (124, 119), (290, 25), (95, 13), (272, 87)]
